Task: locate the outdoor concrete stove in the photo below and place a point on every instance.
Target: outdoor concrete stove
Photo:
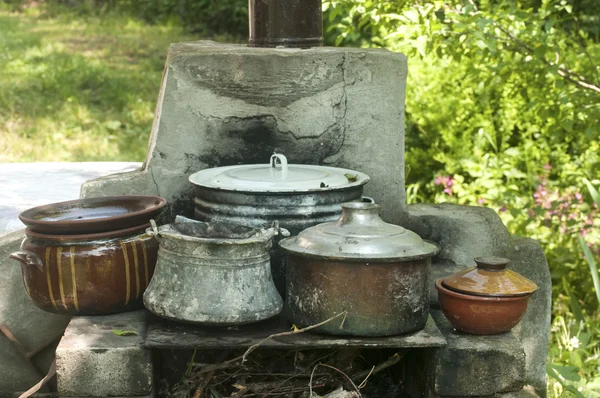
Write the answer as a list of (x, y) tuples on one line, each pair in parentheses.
[(225, 104)]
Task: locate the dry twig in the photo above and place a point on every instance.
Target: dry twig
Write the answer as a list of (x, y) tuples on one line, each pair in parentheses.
[(295, 331), (234, 361), (337, 370), (394, 359), (205, 381)]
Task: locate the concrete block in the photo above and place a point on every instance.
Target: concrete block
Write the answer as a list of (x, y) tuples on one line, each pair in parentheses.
[(31, 326), (465, 232), (526, 392), (225, 104), (534, 329), (92, 361), (472, 366)]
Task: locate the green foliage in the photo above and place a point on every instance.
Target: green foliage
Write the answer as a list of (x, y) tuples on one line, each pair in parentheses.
[(202, 17), (124, 333), (503, 110), (73, 89)]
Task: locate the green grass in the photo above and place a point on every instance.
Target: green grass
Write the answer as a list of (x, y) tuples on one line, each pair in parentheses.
[(78, 88)]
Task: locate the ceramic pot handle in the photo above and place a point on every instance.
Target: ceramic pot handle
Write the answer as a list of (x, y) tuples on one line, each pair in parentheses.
[(27, 258)]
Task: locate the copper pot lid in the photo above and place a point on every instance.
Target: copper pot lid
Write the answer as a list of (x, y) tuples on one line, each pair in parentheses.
[(490, 278), (359, 235), (278, 176)]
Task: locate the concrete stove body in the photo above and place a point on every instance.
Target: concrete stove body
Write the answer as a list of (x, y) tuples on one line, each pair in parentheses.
[(231, 104)]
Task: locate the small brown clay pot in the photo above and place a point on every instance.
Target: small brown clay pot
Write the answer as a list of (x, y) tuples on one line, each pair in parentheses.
[(90, 274), (479, 314)]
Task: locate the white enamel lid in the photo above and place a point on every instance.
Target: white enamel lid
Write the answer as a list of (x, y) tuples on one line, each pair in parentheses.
[(278, 176)]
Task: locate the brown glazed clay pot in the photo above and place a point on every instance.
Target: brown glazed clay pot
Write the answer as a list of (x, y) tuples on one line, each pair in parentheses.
[(92, 274), (480, 314), (486, 299)]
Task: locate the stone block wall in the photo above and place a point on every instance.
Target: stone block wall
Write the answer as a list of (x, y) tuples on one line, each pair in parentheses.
[(225, 104)]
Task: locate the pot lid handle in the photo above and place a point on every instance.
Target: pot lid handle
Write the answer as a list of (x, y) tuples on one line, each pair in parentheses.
[(282, 161), (492, 263)]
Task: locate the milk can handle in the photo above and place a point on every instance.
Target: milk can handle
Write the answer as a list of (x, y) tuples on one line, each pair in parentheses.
[(278, 230), (282, 160), (154, 231)]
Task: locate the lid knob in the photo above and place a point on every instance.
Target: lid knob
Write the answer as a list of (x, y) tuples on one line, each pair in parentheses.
[(360, 213), (282, 160), (492, 263)]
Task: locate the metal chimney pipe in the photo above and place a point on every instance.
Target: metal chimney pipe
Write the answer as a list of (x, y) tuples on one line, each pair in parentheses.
[(287, 23)]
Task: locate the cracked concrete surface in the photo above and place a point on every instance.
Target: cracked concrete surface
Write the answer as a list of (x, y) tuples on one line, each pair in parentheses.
[(224, 104)]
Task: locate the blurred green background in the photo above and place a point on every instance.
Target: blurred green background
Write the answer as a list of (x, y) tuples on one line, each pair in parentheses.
[(503, 110)]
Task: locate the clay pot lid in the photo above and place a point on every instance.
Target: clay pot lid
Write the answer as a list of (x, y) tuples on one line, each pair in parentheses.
[(490, 278), (102, 236), (92, 215), (278, 176)]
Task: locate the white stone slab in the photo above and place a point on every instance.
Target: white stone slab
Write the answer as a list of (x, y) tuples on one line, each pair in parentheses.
[(26, 185)]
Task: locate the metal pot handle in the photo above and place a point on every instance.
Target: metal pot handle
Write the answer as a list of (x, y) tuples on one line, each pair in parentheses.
[(27, 258), (278, 230), (154, 231), (282, 160)]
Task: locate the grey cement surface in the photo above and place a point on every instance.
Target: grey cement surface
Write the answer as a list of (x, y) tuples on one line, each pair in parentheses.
[(92, 361), (526, 392), (224, 104), (533, 330), (477, 365), (466, 232), (26, 185), (33, 327)]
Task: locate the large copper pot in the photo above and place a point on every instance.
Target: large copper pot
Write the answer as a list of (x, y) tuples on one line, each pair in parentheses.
[(375, 271)]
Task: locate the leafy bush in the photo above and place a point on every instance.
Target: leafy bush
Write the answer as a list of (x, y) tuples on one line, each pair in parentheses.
[(204, 17), (502, 111)]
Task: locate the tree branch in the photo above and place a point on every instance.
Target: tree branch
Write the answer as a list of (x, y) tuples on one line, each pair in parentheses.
[(565, 73)]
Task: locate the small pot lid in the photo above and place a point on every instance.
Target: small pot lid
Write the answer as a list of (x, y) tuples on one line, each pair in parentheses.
[(490, 278), (359, 235), (278, 176)]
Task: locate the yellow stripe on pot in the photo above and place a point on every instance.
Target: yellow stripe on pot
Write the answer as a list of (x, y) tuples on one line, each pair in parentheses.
[(127, 288), (60, 280), (73, 279), (145, 261), (48, 280), (137, 271)]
